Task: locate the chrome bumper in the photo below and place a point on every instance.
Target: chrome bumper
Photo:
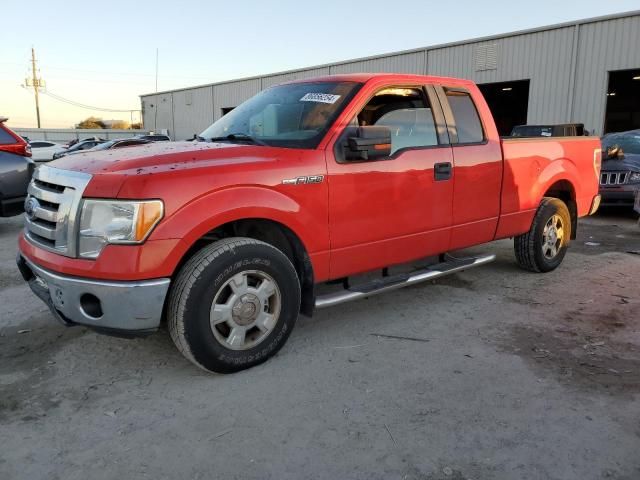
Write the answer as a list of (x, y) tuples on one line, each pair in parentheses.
[(119, 308), (595, 204)]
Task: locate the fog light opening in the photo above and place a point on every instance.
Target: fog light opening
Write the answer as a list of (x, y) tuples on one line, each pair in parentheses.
[(90, 305)]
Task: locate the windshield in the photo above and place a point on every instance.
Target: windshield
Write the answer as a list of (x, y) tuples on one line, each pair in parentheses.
[(629, 142), (104, 146), (296, 115)]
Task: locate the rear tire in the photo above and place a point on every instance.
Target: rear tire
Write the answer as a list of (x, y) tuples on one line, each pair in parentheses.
[(544, 246), (233, 305)]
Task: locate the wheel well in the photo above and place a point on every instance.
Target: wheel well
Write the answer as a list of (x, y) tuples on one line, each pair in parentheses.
[(273, 233), (564, 191)]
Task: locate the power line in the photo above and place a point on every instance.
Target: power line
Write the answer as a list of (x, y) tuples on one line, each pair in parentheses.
[(88, 107)]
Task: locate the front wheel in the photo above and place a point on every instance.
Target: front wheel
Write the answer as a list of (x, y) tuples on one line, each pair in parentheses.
[(544, 246), (233, 305)]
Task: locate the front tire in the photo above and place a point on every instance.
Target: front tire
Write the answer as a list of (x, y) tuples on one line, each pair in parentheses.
[(233, 305), (544, 246)]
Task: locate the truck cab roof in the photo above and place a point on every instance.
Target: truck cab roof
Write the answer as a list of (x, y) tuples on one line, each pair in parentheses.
[(390, 77)]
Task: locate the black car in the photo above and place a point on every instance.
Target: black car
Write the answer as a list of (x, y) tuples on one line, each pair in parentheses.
[(620, 174), (15, 171), (119, 143), (153, 137), (79, 147), (559, 130)]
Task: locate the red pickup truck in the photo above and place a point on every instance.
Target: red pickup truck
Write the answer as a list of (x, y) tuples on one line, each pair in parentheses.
[(309, 182)]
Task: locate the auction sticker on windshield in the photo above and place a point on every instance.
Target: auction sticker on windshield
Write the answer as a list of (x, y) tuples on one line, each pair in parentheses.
[(320, 98)]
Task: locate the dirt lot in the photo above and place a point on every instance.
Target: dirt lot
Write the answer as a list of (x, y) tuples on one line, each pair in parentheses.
[(493, 373)]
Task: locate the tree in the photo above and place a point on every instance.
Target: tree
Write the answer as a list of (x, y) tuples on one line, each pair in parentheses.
[(91, 122), (136, 126), (120, 125)]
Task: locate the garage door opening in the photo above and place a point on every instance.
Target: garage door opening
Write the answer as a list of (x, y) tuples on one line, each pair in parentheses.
[(508, 102), (623, 101)]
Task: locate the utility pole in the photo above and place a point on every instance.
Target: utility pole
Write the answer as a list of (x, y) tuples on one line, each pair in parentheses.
[(35, 82)]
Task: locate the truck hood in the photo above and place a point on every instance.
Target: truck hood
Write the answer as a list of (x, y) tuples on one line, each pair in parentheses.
[(161, 156), (630, 161)]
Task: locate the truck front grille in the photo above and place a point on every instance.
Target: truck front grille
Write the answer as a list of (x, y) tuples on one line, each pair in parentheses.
[(614, 178), (51, 209)]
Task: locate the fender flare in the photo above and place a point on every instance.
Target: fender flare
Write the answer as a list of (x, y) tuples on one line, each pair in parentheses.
[(219, 207), (559, 170)]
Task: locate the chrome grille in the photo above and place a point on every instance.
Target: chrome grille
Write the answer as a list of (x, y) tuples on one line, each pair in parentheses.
[(51, 208), (614, 178)]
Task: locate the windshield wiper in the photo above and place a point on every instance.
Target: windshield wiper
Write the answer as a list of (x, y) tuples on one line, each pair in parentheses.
[(240, 137)]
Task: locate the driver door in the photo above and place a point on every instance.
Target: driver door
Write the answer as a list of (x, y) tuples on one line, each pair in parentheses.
[(398, 208)]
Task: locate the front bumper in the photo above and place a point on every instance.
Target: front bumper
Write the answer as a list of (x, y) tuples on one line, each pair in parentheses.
[(128, 308), (619, 195)]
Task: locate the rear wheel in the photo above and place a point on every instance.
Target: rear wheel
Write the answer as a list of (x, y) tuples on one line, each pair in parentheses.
[(544, 246), (233, 305)]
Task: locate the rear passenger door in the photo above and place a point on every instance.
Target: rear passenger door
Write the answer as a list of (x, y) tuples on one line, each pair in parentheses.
[(477, 158)]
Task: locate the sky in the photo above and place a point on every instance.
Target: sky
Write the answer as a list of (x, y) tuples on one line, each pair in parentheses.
[(104, 55)]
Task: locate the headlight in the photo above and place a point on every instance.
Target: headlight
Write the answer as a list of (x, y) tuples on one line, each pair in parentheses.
[(104, 222), (634, 177)]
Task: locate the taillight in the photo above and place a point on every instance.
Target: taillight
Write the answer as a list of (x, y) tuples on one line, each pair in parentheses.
[(597, 162), (23, 149)]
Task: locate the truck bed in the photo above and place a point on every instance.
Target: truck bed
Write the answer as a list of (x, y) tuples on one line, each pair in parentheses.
[(576, 159)]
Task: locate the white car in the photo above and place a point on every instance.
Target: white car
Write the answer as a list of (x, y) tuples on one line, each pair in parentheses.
[(43, 150)]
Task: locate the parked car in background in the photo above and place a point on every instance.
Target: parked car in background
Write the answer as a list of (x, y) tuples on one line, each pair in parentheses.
[(152, 137), (560, 130), (620, 175), (120, 143), (16, 168), (80, 147), (44, 151)]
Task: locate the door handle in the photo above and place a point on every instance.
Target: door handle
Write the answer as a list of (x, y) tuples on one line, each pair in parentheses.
[(442, 171)]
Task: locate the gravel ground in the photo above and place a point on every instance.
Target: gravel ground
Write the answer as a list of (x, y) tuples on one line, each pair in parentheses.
[(493, 373)]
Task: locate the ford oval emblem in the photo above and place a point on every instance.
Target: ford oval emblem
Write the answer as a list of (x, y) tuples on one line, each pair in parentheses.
[(30, 207)]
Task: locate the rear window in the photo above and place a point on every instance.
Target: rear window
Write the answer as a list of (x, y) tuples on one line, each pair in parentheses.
[(468, 122), (6, 138)]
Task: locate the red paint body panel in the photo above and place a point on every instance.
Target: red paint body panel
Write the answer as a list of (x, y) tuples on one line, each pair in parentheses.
[(532, 166), (363, 216), (477, 180), (153, 259)]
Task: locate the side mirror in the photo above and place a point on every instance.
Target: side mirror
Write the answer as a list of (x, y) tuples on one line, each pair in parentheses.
[(614, 151), (370, 143)]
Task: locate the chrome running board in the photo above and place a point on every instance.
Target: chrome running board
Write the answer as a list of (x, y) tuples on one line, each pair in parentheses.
[(387, 284)]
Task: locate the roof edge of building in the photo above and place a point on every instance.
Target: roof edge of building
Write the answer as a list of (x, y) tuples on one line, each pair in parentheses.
[(556, 26)]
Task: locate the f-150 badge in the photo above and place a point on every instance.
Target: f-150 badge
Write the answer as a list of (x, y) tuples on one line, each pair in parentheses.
[(303, 180)]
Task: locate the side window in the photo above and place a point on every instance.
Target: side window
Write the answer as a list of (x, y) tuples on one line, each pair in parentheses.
[(466, 116), (406, 112), (38, 144)]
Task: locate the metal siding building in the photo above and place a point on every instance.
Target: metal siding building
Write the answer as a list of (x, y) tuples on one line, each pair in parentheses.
[(565, 69)]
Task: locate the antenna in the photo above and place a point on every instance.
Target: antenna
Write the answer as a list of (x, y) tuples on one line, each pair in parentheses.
[(155, 116)]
